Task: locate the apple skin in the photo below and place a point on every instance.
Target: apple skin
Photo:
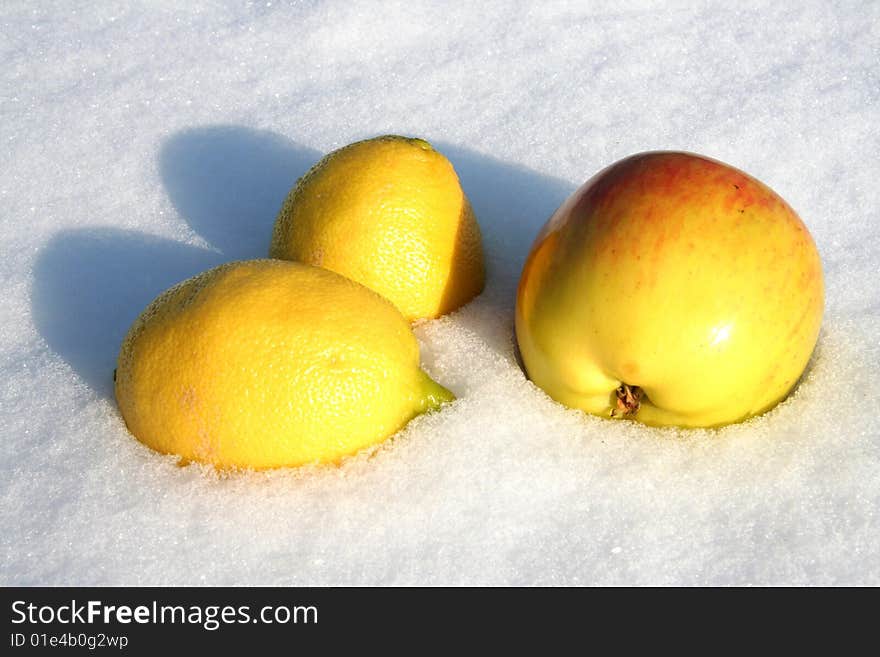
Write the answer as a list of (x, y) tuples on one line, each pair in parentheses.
[(677, 274)]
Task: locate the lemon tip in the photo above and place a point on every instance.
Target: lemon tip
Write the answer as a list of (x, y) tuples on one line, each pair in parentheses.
[(434, 395)]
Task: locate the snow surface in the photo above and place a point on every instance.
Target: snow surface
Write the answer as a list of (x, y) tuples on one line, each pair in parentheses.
[(144, 144)]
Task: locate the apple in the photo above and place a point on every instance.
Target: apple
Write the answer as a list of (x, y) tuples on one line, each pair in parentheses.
[(671, 289)]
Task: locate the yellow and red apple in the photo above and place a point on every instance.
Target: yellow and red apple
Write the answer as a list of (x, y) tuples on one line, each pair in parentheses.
[(672, 289)]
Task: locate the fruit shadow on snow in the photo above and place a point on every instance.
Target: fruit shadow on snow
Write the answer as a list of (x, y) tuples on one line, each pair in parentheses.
[(511, 204), (90, 284), (228, 183)]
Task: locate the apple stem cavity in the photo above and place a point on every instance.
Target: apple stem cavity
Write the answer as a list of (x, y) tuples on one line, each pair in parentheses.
[(629, 398)]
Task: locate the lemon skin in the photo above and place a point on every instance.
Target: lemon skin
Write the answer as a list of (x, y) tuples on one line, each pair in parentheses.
[(388, 212), (676, 274), (266, 363)]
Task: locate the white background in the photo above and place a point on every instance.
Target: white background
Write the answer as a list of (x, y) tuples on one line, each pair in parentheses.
[(143, 143)]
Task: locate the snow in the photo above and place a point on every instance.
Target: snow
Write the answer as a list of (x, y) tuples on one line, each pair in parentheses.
[(142, 145)]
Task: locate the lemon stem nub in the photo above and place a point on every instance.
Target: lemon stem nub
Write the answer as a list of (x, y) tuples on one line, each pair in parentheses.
[(433, 395)]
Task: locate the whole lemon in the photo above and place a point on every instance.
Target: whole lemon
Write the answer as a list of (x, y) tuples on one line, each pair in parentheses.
[(390, 213), (266, 363)]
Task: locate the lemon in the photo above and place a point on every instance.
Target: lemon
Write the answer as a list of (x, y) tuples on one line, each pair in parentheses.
[(267, 363), (390, 213)]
